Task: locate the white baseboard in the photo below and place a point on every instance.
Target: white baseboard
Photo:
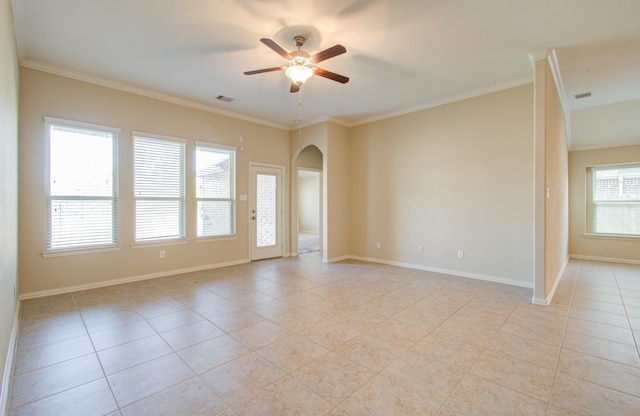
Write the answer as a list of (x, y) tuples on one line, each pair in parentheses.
[(447, 271), (8, 365), (337, 259), (539, 301), (604, 259), (105, 283), (546, 301)]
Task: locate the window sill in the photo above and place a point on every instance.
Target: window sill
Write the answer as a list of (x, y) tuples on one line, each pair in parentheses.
[(626, 237), (79, 251), (152, 244), (215, 239)]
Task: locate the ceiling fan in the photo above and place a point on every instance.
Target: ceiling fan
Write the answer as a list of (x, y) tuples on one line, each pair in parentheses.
[(301, 64)]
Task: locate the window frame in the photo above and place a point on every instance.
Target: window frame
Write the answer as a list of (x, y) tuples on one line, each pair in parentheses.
[(115, 132), (181, 238), (232, 197), (591, 203)]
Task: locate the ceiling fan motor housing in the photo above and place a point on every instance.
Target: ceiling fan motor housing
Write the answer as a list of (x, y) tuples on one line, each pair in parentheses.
[(299, 41)]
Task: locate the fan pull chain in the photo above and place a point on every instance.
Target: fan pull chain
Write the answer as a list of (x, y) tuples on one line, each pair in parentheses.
[(300, 113)]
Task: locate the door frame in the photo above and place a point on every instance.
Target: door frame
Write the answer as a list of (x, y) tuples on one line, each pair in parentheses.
[(280, 217), (320, 208)]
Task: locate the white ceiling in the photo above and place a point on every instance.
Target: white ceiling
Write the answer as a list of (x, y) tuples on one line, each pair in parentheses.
[(402, 55)]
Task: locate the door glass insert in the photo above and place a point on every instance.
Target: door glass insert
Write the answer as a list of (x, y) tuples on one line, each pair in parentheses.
[(265, 210)]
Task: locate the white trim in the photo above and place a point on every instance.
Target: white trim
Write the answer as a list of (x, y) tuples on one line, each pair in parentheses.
[(538, 55), (17, 6), (113, 282), (337, 259), (251, 229), (121, 86), (213, 239), (557, 78), (447, 100), (81, 124), (145, 135), (9, 362), (79, 251), (539, 301), (132, 89), (604, 146), (546, 301), (158, 243), (216, 146), (458, 273), (604, 259), (627, 237)]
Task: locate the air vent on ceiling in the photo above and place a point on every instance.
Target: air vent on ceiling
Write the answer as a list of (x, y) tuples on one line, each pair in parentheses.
[(225, 98), (583, 95)]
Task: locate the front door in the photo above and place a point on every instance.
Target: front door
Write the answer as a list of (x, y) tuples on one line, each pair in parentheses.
[(266, 211)]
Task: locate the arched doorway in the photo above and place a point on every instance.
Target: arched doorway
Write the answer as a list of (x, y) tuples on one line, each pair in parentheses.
[(308, 219)]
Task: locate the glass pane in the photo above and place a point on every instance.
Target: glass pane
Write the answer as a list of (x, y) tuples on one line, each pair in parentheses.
[(80, 162), (215, 218), (158, 168), (158, 220), (621, 184), (616, 218), (616, 200), (80, 223), (265, 210), (213, 173)]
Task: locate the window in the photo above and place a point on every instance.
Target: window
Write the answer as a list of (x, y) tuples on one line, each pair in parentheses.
[(82, 197), (159, 190), (615, 196), (215, 190)]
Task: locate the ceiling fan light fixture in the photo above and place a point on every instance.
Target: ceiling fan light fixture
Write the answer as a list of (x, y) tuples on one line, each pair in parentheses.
[(299, 73)]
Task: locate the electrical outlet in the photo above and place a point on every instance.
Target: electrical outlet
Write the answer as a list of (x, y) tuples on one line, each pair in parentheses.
[(420, 249), (163, 254), (460, 254), (378, 244)]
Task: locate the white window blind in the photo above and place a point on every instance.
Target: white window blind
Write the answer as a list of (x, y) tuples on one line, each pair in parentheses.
[(616, 199), (159, 187), (81, 185), (215, 190)]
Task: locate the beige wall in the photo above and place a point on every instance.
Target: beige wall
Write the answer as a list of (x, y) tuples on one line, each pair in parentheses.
[(8, 191), (454, 177), (557, 182), (596, 248), (309, 203), (310, 157), (43, 94), (308, 147), (336, 190), (308, 196)]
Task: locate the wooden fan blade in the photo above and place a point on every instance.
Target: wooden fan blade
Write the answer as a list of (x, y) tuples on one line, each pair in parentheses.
[(331, 75), (328, 53), (260, 71), (294, 87), (276, 48)]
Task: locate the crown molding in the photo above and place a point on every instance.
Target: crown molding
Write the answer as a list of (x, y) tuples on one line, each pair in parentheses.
[(17, 9), (538, 55), (604, 146), (447, 100), (552, 58), (121, 86)]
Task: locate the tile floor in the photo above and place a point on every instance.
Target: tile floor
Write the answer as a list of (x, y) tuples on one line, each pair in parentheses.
[(298, 337)]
